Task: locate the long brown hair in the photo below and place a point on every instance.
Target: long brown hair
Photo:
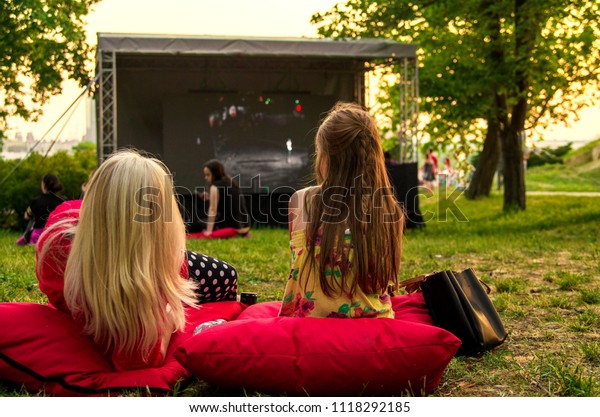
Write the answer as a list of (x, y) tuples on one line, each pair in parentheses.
[(355, 193)]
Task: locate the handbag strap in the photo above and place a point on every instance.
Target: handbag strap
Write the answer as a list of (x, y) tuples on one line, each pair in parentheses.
[(413, 284)]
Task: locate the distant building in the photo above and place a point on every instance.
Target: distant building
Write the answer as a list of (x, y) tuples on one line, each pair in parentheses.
[(90, 120), (17, 148)]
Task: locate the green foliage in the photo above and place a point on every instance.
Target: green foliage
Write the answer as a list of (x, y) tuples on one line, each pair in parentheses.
[(84, 147), (501, 65), (42, 43), (470, 48), (23, 184), (474, 159), (543, 156)]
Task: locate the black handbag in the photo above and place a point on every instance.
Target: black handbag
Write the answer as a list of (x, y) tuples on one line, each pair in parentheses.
[(458, 302)]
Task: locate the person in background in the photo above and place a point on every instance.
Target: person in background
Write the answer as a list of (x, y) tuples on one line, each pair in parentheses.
[(346, 232), (388, 159), (116, 261), (227, 207), (40, 208), (447, 176), (429, 170), (434, 158)]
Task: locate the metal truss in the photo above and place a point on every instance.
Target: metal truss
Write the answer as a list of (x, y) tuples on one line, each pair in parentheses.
[(407, 77), (408, 133), (107, 104)]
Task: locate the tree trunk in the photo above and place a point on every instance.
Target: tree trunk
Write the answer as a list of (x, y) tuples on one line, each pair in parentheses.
[(513, 134), (483, 176), (514, 172)]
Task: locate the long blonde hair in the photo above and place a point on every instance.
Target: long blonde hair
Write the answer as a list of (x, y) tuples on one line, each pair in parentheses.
[(356, 194), (126, 255)]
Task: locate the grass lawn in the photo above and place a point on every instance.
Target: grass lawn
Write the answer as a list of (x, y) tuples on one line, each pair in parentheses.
[(582, 178), (543, 266), (580, 172)]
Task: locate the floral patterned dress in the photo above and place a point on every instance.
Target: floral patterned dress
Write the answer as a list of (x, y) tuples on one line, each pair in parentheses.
[(306, 298)]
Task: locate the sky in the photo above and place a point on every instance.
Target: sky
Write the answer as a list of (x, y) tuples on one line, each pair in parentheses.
[(256, 18)]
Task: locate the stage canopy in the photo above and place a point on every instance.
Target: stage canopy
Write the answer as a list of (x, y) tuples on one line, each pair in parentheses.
[(359, 49)]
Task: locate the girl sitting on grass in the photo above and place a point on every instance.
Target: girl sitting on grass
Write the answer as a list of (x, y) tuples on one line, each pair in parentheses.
[(346, 232)]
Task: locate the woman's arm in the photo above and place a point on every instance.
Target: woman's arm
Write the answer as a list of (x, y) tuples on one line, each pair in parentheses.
[(212, 210), (166, 337)]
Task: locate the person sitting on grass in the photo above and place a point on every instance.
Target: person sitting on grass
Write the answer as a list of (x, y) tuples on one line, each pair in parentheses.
[(40, 208), (115, 262), (227, 211), (346, 232)]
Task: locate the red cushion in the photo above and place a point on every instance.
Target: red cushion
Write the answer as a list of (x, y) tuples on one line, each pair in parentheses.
[(408, 307), (225, 233), (321, 356), (51, 272), (43, 349), (411, 307), (261, 310)]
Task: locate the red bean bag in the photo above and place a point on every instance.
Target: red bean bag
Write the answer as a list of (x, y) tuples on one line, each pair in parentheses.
[(43, 349), (225, 233), (409, 307), (323, 356)]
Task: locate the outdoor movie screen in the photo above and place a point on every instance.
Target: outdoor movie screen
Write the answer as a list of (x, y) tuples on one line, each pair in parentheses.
[(267, 140)]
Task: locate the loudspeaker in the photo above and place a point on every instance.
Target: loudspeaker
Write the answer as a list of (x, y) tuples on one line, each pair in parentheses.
[(405, 181)]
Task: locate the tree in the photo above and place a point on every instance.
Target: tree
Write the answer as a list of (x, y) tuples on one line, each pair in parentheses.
[(42, 43), (488, 69)]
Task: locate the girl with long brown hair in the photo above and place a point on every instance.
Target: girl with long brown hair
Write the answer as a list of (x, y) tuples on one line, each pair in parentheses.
[(346, 233)]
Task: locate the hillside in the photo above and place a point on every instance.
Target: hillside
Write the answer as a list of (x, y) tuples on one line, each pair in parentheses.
[(580, 172)]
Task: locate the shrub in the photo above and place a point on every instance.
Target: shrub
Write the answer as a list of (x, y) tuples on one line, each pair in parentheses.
[(548, 155), (20, 186)]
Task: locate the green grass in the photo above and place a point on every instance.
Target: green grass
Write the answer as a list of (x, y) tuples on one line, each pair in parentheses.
[(580, 172), (543, 266), (582, 154), (581, 178)]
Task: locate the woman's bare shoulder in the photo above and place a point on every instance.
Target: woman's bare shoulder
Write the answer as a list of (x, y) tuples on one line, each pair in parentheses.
[(306, 192), (297, 213)]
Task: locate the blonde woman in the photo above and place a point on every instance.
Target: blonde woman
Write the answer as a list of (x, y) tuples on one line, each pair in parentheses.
[(120, 256), (346, 232)]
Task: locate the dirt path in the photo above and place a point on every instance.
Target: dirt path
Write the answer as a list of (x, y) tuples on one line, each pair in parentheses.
[(573, 193)]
